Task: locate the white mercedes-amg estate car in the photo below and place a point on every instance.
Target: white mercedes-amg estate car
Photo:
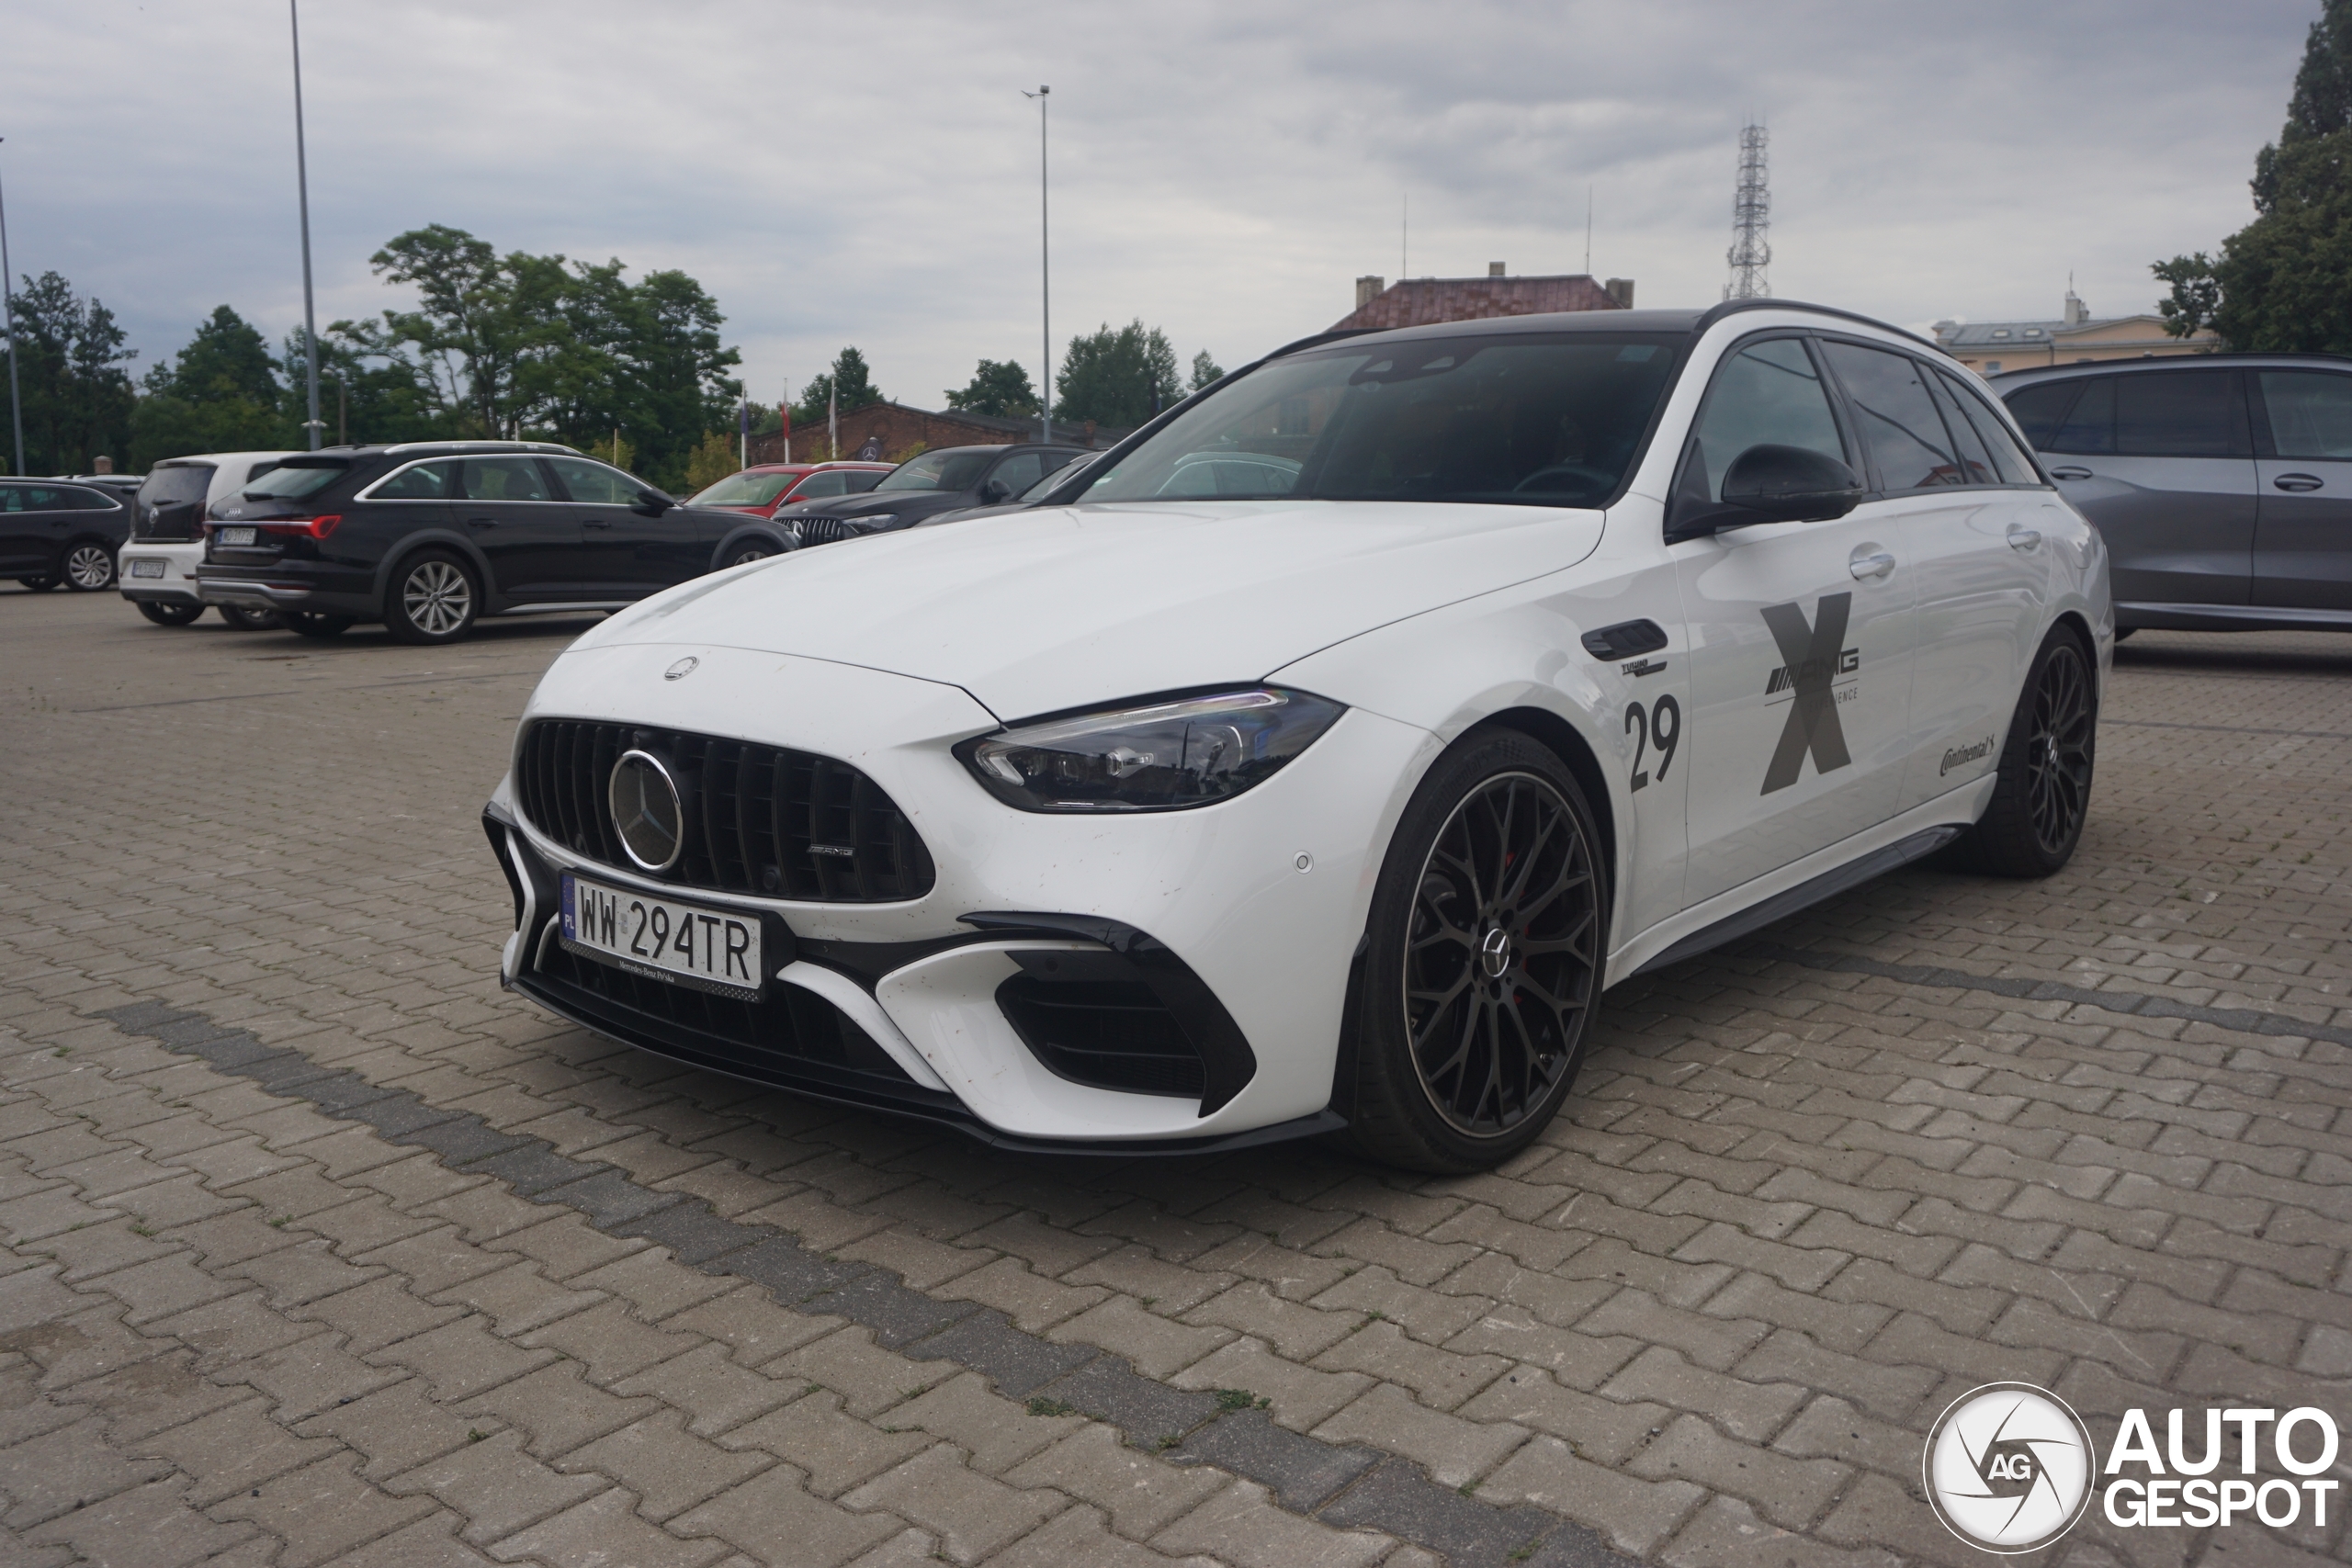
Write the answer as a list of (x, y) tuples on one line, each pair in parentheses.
[(1316, 760)]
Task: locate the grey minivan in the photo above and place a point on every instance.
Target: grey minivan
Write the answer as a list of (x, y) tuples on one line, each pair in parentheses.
[(2222, 484)]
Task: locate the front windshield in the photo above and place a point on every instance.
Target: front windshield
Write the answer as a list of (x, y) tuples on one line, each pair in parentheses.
[(950, 469), (746, 489), (1060, 475), (1545, 420), (293, 479)]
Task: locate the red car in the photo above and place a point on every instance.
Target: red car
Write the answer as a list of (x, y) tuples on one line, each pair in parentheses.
[(764, 486)]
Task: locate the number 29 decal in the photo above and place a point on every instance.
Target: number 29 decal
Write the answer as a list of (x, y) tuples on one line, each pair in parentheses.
[(1660, 726)]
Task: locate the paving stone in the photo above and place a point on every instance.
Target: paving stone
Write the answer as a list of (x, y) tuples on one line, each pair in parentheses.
[(1142, 1494), (308, 1376), (1036, 1304), (1752, 1410), (1433, 1316), (972, 1515), (1145, 1408), (558, 1408), (995, 1433), (714, 1391), (1155, 1345), (1077, 1535), (66, 1469), (869, 1379), (1728, 1533), (322, 1511), (755, 1329), (1601, 1429), (605, 1528), (518, 1298), (395, 1428), (1634, 1514), (141, 1399), (373, 1315), (462, 1357), (234, 1450), (1300, 1397), (1172, 1286), (1241, 1525), (833, 1451), (1396, 1496), (1456, 1451), (1442, 1379), (612, 1343), (496, 1486), (148, 1525), (1790, 1491), (773, 1521), (1303, 1473), (670, 1468)]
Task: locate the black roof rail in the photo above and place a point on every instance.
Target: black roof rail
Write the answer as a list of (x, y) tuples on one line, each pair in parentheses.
[(1714, 313)]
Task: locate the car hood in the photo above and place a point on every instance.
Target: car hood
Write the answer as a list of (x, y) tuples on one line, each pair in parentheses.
[(869, 503), (1037, 611)]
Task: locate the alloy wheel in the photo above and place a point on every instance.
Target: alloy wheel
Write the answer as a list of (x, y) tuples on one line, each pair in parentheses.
[(1501, 962), (437, 598), (2058, 749), (747, 555), (88, 568)]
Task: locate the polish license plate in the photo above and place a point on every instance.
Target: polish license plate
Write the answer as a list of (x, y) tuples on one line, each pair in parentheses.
[(664, 939), (237, 536), (146, 568)]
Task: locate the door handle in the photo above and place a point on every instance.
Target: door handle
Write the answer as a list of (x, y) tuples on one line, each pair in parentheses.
[(2025, 538), (481, 522), (2298, 482), (2070, 473), (594, 523), (1878, 565)]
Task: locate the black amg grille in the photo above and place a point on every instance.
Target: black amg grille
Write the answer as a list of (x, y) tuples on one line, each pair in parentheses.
[(761, 821), (791, 1028), (823, 531), (1104, 1031)]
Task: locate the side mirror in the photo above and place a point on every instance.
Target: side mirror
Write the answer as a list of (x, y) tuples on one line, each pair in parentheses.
[(1790, 484), (653, 503), (996, 492)]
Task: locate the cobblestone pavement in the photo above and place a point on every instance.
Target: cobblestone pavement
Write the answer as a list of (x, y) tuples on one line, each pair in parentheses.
[(322, 1249)]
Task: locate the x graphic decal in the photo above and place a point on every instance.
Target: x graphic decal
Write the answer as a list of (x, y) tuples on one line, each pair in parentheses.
[(1810, 655)]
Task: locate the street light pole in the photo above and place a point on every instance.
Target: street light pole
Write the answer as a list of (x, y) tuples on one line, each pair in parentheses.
[(314, 425), (8, 304), (1045, 280)]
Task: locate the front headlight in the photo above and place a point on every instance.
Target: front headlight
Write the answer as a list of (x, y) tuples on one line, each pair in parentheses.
[(1160, 756), (872, 522)]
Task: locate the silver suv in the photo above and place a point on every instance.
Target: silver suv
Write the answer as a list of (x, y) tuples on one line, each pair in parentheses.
[(2222, 484)]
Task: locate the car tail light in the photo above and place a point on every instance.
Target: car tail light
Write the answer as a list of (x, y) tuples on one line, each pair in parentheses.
[(309, 527)]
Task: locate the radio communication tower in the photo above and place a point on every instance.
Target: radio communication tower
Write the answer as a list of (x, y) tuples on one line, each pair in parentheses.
[(1751, 219)]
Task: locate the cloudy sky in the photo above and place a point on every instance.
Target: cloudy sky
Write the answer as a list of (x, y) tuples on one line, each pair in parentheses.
[(867, 174)]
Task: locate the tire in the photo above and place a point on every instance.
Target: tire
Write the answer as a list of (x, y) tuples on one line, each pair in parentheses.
[(88, 567), (169, 615), (433, 599), (312, 625), (38, 585), (1510, 975), (246, 620), (747, 552), (2043, 791)]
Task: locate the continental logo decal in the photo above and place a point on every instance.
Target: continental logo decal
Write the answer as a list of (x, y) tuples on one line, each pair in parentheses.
[(1961, 756), (1814, 657)]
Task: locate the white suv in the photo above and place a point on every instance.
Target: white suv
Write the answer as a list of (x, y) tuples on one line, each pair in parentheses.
[(156, 570)]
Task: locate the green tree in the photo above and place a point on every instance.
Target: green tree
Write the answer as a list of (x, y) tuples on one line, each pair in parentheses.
[(1117, 376), (711, 461), (504, 345), (1205, 370), (2195, 294), (999, 388), (852, 375), (221, 394), (77, 396), (2284, 282)]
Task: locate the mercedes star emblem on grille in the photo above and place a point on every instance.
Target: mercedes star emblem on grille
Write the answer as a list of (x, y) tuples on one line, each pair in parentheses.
[(647, 811), (681, 669)]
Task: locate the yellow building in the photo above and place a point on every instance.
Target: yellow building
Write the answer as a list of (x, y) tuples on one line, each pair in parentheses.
[(1990, 347)]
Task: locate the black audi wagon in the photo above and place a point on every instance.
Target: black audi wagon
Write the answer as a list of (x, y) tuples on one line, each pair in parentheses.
[(430, 536)]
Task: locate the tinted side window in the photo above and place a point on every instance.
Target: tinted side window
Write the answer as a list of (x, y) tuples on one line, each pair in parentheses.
[(2038, 408), (427, 481), (1018, 471), (861, 481), (2091, 424), (816, 487), (1900, 425), (33, 498), (594, 484), (1767, 394), (2311, 412), (1975, 463), (505, 479), (182, 481), (2181, 414), (2014, 467)]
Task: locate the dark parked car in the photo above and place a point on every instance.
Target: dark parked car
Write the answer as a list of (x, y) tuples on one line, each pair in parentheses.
[(1045, 493), (427, 536), (769, 488), (2221, 484), (942, 480), (54, 531)]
